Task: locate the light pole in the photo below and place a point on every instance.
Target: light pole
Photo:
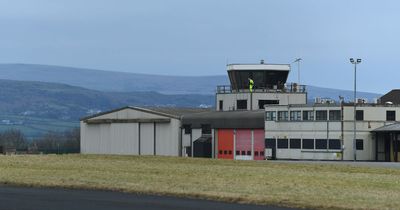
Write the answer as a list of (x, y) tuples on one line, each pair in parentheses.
[(355, 62), (298, 69)]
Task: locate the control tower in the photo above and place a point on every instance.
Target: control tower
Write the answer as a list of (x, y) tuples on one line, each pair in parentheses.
[(270, 87)]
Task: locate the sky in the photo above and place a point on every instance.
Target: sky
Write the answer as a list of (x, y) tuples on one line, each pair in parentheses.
[(199, 37)]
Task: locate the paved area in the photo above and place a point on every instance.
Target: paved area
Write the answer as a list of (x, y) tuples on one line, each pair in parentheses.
[(351, 163), (22, 198)]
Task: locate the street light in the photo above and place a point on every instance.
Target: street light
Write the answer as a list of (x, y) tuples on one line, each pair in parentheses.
[(355, 62)]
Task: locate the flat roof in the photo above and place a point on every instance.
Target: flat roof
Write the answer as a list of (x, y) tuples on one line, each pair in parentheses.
[(395, 127), (226, 119), (250, 67)]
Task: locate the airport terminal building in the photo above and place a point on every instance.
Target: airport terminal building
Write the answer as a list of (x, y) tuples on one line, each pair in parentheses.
[(271, 120)]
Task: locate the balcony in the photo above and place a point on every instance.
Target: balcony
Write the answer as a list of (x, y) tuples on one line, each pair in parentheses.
[(287, 88)]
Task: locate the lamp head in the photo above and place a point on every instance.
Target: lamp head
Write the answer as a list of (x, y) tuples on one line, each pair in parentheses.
[(358, 60), (352, 60)]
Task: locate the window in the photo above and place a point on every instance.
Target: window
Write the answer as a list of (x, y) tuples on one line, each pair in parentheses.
[(256, 153), (230, 152), (359, 144), (270, 143), (205, 129), (334, 115), (237, 152), (308, 143), (283, 143), (334, 144), (282, 115), (321, 115), (243, 152), (295, 144), (390, 115), (308, 115), (262, 153), (261, 103), (360, 115), (220, 152), (295, 115), (248, 152), (188, 129), (321, 144), (221, 105), (270, 116), (225, 152), (241, 104)]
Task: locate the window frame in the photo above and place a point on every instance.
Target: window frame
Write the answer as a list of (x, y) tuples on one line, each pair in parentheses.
[(358, 145), (295, 115), (291, 143), (321, 111), (332, 115), (280, 146), (318, 144), (303, 143), (270, 116), (284, 117), (242, 101), (358, 116), (392, 117), (308, 117)]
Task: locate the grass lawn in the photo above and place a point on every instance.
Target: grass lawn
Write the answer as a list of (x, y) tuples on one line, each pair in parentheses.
[(329, 186)]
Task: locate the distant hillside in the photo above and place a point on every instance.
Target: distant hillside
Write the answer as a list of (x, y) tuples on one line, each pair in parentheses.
[(59, 101), (130, 82), (112, 81)]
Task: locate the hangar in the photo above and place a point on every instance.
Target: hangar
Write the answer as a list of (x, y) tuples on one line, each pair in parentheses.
[(134, 131)]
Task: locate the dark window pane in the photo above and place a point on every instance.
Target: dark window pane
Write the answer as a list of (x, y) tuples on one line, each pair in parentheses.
[(283, 143), (308, 143), (270, 143), (359, 144), (261, 103), (295, 144), (334, 115), (241, 104), (261, 153), (391, 115), (188, 129), (206, 129), (237, 152), (243, 152), (334, 144), (225, 152), (248, 152), (221, 105), (230, 152), (359, 114), (256, 153), (321, 115), (321, 144), (220, 152)]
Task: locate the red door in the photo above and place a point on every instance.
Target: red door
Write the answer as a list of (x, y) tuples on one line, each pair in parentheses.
[(259, 144), (225, 143), (243, 144)]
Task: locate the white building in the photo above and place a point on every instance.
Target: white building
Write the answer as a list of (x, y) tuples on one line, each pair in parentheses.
[(326, 132)]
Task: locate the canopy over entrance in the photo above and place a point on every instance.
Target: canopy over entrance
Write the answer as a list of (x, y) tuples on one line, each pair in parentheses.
[(387, 142)]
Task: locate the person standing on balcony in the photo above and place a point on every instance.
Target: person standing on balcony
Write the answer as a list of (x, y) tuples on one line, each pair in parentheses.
[(251, 85)]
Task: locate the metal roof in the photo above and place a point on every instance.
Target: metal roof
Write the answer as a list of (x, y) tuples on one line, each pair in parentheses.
[(172, 112), (226, 119), (395, 127)]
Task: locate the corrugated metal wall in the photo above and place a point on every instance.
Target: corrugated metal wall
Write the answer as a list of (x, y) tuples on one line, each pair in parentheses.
[(126, 139)]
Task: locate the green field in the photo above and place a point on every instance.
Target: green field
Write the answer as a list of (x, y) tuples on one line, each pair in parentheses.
[(34, 127), (329, 186)]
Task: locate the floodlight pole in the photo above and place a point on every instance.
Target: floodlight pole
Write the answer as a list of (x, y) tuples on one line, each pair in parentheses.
[(355, 62), (297, 60)]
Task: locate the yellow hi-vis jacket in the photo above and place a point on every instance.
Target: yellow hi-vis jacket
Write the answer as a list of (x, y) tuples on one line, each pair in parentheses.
[(251, 84)]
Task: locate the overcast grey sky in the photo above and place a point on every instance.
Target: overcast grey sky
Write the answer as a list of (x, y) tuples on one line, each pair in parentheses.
[(188, 37)]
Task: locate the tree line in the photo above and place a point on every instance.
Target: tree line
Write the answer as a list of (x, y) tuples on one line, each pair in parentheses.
[(52, 142)]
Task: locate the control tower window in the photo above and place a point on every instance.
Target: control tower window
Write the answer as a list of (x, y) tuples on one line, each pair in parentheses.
[(241, 104)]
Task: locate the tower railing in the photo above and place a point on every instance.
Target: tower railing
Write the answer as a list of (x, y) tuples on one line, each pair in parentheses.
[(287, 88)]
